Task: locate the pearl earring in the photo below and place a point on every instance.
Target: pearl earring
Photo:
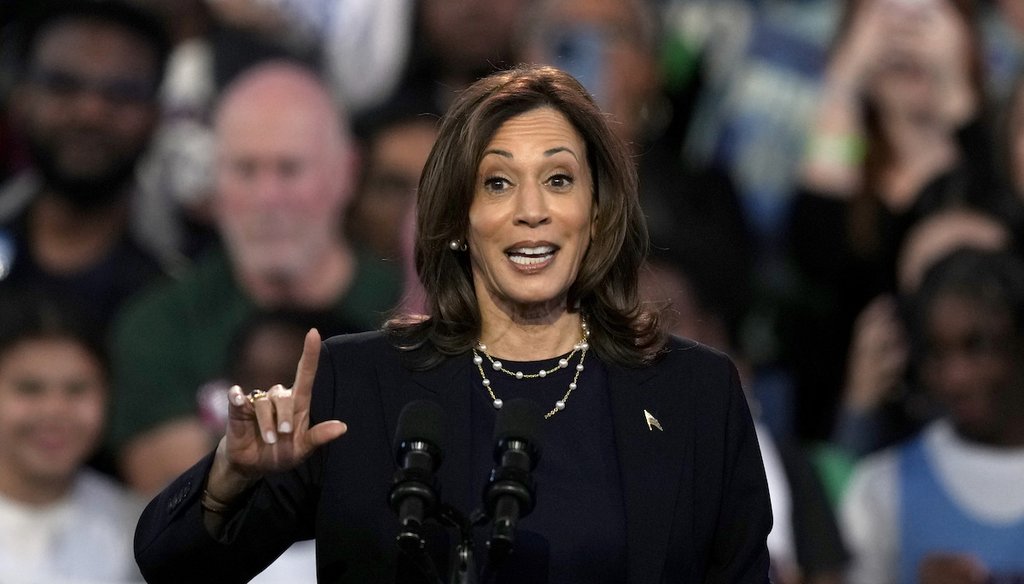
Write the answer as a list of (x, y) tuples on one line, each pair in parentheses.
[(456, 245)]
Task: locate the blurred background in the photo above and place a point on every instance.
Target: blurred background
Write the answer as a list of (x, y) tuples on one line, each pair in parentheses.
[(803, 164)]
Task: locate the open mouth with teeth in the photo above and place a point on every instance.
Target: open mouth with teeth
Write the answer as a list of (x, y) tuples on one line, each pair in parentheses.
[(531, 256)]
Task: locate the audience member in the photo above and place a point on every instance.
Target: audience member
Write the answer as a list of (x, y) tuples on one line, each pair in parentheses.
[(285, 173), (85, 103), (395, 142), (880, 404), (946, 505), (396, 138), (59, 520), (901, 131)]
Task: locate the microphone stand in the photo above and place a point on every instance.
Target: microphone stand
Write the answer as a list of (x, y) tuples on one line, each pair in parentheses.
[(412, 545), (463, 563)]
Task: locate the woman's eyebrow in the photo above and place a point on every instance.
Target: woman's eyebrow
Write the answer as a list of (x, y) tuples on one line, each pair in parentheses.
[(549, 152), (557, 149), (504, 153)]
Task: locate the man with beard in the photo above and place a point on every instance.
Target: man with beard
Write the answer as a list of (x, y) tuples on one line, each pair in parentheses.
[(86, 105)]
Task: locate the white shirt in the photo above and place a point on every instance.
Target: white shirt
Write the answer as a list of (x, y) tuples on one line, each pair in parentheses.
[(985, 481), (85, 538)]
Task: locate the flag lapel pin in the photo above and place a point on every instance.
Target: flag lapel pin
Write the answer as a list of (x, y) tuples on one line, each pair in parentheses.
[(652, 422)]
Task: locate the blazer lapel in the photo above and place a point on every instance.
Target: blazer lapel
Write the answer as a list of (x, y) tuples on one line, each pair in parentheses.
[(651, 462)]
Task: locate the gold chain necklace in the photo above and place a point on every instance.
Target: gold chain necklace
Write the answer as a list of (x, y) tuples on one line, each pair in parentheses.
[(581, 347)]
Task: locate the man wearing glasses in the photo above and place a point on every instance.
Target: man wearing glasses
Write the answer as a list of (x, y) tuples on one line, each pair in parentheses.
[(85, 104)]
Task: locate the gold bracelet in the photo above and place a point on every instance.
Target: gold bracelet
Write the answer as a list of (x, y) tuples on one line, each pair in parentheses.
[(212, 504)]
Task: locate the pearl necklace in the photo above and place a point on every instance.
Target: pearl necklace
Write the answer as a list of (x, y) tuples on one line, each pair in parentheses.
[(581, 347)]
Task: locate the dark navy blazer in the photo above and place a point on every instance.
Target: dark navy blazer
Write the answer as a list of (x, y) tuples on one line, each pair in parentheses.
[(696, 499)]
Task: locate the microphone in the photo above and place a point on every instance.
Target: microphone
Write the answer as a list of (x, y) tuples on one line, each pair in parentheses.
[(510, 493), (414, 492)]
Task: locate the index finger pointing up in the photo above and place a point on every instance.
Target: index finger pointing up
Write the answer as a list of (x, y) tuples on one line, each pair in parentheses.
[(306, 369)]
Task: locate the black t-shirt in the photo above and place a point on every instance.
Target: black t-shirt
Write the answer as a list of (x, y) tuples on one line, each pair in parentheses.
[(98, 290)]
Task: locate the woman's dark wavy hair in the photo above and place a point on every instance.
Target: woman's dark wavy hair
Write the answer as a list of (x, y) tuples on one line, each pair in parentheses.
[(605, 290)]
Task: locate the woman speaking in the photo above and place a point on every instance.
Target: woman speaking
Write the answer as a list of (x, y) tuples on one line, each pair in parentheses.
[(529, 243)]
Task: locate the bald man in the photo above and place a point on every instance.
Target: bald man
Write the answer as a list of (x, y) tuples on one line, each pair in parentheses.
[(284, 175)]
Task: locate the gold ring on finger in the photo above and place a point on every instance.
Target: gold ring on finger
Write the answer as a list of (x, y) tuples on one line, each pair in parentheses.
[(257, 394)]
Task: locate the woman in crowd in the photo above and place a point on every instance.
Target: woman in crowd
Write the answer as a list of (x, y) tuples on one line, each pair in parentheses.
[(60, 521), (900, 132)]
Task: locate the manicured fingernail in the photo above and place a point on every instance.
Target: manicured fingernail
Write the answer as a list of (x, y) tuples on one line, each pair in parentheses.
[(270, 437), (284, 428), (237, 398)]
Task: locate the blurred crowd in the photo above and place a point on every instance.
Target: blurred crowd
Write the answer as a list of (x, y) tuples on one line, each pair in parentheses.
[(834, 191)]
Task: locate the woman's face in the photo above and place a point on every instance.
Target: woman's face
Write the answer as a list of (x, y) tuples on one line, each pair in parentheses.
[(52, 403), (531, 216), (926, 46)]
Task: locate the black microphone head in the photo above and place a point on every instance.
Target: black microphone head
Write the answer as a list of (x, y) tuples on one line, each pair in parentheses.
[(519, 419), (420, 421)]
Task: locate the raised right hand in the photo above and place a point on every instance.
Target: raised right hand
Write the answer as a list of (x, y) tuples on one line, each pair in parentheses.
[(270, 433)]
